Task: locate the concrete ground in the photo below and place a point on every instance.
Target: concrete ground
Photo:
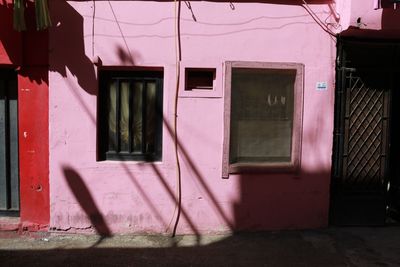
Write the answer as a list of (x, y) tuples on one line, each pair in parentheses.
[(327, 247)]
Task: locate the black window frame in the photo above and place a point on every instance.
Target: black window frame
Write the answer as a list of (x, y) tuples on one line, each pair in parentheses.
[(105, 76)]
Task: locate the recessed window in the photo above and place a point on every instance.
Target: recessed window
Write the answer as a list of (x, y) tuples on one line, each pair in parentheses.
[(130, 115), (263, 116), (199, 79)]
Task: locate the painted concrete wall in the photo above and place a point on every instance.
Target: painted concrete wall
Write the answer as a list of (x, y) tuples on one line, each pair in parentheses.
[(140, 197), (28, 52), (362, 19)]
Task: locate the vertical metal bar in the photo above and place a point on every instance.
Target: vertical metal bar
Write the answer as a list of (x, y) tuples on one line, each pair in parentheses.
[(13, 141), (346, 122), (159, 118), (7, 137), (3, 153), (144, 117), (385, 134), (337, 130), (341, 112)]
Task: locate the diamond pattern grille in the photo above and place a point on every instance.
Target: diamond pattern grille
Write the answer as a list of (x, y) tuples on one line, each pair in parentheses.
[(365, 141)]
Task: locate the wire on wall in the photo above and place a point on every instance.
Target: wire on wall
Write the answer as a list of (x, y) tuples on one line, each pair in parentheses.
[(93, 18), (177, 11), (317, 19), (120, 30)]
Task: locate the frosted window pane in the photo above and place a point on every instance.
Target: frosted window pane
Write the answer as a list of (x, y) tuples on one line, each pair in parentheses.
[(261, 115)]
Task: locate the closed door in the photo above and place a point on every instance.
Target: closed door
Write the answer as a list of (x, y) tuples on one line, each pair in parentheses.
[(9, 170)]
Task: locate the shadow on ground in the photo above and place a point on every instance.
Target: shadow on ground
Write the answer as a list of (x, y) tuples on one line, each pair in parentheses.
[(329, 247)]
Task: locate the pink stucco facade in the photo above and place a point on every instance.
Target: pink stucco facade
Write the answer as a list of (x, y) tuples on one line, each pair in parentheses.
[(140, 197)]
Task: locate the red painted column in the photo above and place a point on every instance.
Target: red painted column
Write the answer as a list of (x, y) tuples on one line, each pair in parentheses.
[(34, 126), (34, 146), (28, 51)]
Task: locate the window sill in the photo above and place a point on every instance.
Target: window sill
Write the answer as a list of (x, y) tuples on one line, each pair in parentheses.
[(114, 163), (289, 167)]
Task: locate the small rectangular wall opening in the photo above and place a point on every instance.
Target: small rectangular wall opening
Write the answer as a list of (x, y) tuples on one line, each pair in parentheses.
[(199, 79)]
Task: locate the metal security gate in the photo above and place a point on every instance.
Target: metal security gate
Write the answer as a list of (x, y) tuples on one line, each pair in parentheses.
[(361, 156), (9, 170), (362, 169)]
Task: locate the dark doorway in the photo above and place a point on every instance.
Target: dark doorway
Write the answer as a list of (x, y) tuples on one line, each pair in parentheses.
[(366, 147), (9, 170)]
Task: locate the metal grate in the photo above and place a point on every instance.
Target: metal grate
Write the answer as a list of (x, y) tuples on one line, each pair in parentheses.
[(365, 131)]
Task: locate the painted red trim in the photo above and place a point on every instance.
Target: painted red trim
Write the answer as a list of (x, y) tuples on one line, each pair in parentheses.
[(292, 166)]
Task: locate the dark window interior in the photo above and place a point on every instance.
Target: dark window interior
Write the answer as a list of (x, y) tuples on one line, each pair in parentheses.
[(200, 79), (130, 115)]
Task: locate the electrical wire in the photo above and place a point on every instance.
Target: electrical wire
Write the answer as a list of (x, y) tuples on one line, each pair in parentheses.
[(317, 19), (177, 4), (120, 30), (94, 16)]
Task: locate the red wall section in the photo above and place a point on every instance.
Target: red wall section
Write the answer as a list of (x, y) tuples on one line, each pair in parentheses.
[(33, 124), (33, 144), (28, 51), (10, 40)]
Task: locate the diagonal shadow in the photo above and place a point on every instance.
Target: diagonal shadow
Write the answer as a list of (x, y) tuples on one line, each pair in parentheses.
[(86, 201), (184, 153)]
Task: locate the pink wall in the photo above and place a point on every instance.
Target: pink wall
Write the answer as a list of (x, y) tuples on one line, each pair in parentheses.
[(139, 197), (374, 23)]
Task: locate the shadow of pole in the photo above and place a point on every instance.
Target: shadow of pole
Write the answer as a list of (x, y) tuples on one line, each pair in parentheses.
[(87, 82), (86, 201)]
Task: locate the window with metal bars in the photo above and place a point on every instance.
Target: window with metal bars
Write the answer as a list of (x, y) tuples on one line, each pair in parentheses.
[(130, 115)]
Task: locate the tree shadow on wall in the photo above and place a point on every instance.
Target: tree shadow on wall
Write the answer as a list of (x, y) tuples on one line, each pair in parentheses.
[(27, 49), (67, 46), (259, 193), (70, 47), (267, 201)]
